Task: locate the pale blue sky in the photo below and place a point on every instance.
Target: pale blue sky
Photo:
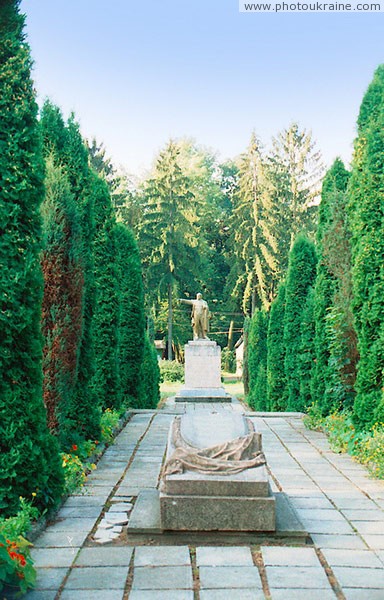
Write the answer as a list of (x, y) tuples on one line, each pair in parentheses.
[(138, 72)]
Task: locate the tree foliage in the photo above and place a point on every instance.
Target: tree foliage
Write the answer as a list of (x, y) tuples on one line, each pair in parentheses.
[(335, 339), (276, 379), (132, 318), (257, 360), (366, 221), (253, 240), (300, 277), (29, 458), (63, 297), (106, 378)]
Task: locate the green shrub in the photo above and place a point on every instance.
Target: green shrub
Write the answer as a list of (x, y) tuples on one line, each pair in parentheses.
[(149, 390), (16, 565), (228, 360), (171, 370)]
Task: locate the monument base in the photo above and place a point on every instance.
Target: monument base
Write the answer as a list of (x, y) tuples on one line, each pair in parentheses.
[(202, 374), (217, 513), (203, 395), (216, 501)]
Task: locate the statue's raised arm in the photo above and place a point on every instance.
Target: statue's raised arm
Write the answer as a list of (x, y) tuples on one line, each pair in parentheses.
[(200, 317)]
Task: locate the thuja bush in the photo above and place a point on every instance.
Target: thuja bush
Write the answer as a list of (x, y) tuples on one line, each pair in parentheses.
[(29, 456), (149, 390)]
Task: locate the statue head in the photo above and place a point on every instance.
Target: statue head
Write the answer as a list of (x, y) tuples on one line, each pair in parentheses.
[(199, 296)]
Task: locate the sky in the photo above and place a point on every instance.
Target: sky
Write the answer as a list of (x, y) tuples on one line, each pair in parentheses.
[(139, 72)]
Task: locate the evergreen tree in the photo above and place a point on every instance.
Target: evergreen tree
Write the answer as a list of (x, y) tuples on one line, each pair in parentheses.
[(29, 457), (253, 238), (246, 329), (333, 296), (62, 300), (106, 315), (132, 318), (295, 170), (366, 221), (276, 379), (257, 361), (300, 277), (169, 234), (149, 377), (64, 142), (307, 355)]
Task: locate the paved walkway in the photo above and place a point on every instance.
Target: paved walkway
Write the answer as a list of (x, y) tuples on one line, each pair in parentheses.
[(341, 507)]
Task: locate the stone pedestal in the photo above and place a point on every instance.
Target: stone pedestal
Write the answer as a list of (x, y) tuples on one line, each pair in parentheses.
[(194, 501), (202, 374)]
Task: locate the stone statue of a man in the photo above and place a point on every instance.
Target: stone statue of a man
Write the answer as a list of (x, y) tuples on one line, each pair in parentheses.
[(200, 317)]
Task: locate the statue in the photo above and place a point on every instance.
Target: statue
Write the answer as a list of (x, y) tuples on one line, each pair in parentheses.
[(200, 317)]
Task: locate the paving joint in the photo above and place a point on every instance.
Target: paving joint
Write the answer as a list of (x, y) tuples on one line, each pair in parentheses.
[(258, 561)]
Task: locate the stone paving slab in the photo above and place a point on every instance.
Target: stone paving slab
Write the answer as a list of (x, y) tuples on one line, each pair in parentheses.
[(353, 594), (50, 578), (351, 542), (233, 594), (289, 556), (92, 595), (54, 557), (351, 558), (224, 556), (162, 595), (360, 577), (97, 578), (307, 594), (61, 539), (162, 578), (107, 557), (287, 577), (77, 512), (161, 556), (229, 577), (41, 595)]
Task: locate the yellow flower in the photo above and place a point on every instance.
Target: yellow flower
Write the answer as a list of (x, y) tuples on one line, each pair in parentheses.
[(33, 494)]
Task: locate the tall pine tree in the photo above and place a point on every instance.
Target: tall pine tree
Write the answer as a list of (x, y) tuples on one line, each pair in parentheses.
[(29, 457)]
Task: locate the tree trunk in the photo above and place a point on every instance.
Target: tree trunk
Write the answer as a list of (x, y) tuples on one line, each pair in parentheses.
[(169, 321), (230, 334)]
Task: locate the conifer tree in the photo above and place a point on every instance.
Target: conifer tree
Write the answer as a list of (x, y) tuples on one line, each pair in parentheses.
[(132, 318), (62, 299), (333, 296), (295, 170), (169, 235), (257, 361), (149, 377), (29, 457), (253, 238), (105, 324), (64, 142), (307, 355), (366, 221), (276, 379), (300, 277)]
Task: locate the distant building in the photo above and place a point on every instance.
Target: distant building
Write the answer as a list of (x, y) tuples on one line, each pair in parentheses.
[(160, 348)]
